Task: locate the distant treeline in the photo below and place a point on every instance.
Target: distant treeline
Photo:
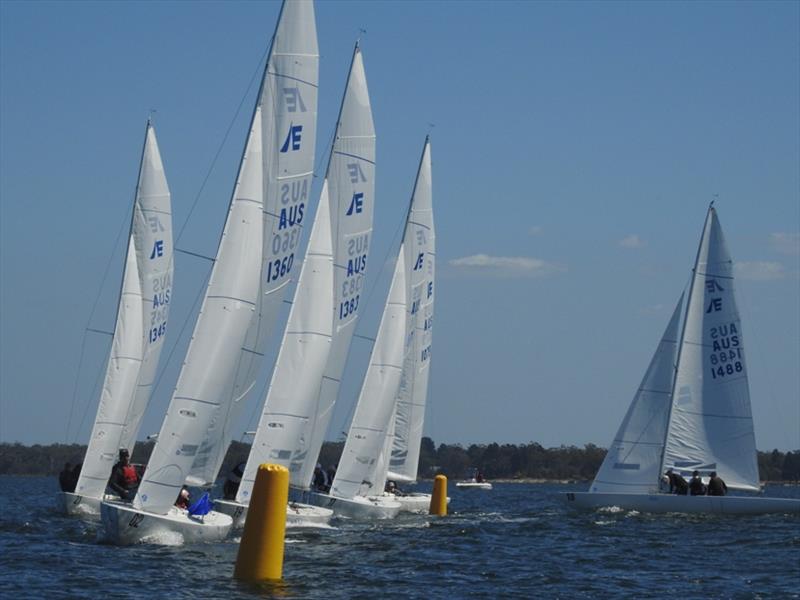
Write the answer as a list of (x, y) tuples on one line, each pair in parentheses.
[(506, 461)]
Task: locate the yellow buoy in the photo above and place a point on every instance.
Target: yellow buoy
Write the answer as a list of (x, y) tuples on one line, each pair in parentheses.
[(261, 549), (439, 497)]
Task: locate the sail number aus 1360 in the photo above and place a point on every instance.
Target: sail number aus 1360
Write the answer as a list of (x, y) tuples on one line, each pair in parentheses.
[(279, 267)]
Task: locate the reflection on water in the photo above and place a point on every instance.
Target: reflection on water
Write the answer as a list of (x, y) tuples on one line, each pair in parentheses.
[(518, 540)]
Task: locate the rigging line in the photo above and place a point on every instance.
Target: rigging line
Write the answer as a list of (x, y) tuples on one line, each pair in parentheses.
[(125, 219), (75, 387), (100, 374), (257, 71)]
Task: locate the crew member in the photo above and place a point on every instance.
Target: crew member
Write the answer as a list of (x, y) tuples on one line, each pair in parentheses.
[(65, 479), (231, 486), (716, 487), (124, 478), (677, 484), (696, 487)]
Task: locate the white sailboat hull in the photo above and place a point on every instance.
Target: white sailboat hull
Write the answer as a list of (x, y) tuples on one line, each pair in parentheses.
[(474, 485), (124, 525), (414, 502), (297, 514), (359, 507), (70, 503), (668, 503)]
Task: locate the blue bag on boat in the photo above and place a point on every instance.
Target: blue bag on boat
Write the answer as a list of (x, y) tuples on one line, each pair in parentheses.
[(202, 507)]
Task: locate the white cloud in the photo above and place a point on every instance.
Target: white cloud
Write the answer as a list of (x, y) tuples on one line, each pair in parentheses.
[(535, 230), (521, 266), (759, 270), (632, 241), (653, 309), (785, 243)]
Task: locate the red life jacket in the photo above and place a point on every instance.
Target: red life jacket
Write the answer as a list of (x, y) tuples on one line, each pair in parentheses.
[(130, 476)]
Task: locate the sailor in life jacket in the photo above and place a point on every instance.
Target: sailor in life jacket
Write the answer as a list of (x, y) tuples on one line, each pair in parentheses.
[(231, 486), (124, 478)]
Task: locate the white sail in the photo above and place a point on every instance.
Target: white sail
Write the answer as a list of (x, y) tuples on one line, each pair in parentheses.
[(711, 424), (202, 398), (376, 402), (294, 389), (140, 325), (291, 428), (633, 462), (420, 259), (152, 231), (351, 185), (288, 103)]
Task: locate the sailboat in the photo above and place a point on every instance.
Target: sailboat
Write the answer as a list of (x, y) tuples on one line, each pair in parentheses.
[(138, 333), (395, 386), (400, 461), (692, 410), (251, 269), (324, 311)]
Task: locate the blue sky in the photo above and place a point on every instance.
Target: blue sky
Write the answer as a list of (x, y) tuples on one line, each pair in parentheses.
[(576, 147)]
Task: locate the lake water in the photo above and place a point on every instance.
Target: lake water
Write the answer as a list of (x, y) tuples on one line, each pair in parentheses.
[(516, 541)]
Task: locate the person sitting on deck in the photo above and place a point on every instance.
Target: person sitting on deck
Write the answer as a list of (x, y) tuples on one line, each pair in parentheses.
[(320, 480), (677, 484), (124, 478), (478, 477), (65, 479), (716, 487), (231, 486), (183, 499), (696, 486)]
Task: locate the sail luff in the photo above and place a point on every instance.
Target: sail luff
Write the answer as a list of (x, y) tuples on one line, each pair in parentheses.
[(287, 101), (711, 425)]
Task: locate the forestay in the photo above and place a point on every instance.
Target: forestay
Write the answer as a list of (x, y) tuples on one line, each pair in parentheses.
[(633, 462), (294, 388), (420, 249), (288, 104), (140, 326), (369, 429), (203, 394), (711, 424)]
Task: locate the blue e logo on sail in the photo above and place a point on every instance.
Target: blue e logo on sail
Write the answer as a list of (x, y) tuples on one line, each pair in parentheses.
[(293, 138), (158, 249)]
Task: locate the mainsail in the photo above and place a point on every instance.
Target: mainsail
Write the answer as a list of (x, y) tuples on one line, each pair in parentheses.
[(711, 424), (301, 395), (140, 325), (420, 255), (633, 462), (288, 105)]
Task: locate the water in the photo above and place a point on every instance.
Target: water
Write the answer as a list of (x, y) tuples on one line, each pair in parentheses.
[(516, 541)]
